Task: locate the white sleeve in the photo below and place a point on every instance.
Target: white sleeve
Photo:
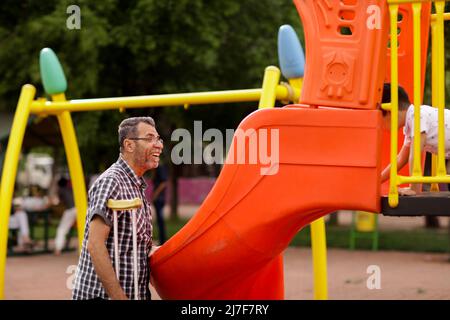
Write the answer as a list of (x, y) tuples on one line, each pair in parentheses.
[(407, 131), (424, 122)]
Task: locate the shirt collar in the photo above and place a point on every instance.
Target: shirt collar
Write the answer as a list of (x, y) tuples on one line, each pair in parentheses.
[(139, 182)]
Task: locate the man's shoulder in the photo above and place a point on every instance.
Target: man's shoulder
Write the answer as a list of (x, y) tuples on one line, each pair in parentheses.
[(113, 173)]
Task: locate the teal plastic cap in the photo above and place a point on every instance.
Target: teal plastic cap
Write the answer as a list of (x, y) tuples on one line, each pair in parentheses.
[(52, 73), (290, 53)]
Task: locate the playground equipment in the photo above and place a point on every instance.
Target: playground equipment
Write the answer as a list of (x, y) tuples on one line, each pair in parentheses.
[(334, 150), (330, 147), (417, 14), (364, 225), (55, 85)]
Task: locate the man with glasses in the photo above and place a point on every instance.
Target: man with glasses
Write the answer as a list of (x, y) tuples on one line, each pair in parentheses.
[(140, 149)]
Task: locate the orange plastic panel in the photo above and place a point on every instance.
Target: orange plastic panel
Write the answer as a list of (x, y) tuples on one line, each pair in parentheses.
[(345, 52), (232, 247)]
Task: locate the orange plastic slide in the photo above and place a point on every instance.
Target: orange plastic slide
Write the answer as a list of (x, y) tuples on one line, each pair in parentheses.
[(232, 247)]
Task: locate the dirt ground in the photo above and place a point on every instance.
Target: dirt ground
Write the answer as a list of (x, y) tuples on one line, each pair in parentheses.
[(402, 275)]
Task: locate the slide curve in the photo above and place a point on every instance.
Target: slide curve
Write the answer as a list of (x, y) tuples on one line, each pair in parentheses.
[(232, 247)]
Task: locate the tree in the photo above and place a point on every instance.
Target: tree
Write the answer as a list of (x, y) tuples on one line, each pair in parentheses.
[(142, 47)]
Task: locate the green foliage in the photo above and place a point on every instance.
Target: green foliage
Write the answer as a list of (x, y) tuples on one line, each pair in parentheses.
[(419, 240), (142, 47)]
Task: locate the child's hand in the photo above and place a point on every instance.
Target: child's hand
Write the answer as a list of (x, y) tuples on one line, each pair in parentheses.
[(406, 192)]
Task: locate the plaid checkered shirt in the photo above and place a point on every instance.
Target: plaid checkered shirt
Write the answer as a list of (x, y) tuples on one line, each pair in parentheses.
[(118, 182)]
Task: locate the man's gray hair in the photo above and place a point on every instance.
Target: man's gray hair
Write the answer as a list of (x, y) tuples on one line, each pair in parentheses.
[(128, 128)]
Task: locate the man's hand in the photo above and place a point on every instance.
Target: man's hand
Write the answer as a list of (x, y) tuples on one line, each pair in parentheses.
[(406, 192), (153, 250)]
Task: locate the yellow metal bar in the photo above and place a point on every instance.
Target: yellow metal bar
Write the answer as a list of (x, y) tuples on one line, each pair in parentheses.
[(434, 65), (10, 170), (408, 1), (434, 186), (318, 241), (319, 255), (438, 96), (393, 192), (440, 90), (75, 166), (426, 179), (296, 84), (180, 99), (446, 17), (386, 106), (417, 163), (269, 87), (318, 235)]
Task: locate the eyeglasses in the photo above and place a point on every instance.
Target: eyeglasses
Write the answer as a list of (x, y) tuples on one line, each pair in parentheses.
[(151, 139)]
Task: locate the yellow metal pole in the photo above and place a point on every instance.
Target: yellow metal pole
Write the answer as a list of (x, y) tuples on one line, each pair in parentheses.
[(319, 254), (297, 84), (426, 179), (269, 87), (406, 1), (440, 90), (10, 170), (393, 192), (164, 100), (75, 167), (434, 64), (446, 16), (318, 240), (318, 235), (417, 163)]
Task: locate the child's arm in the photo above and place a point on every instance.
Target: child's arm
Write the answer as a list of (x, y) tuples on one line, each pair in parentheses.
[(402, 159)]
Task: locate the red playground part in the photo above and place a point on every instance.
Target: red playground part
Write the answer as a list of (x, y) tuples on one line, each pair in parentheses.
[(231, 248), (346, 52), (328, 159)]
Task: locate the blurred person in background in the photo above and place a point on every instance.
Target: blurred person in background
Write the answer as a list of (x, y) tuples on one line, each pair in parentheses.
[(65, 197)]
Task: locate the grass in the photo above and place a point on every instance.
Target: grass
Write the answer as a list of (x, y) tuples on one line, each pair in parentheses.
[(420, 240)]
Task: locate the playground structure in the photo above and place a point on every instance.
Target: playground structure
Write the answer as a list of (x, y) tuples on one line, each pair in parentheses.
[(54, 83), (329, 158)]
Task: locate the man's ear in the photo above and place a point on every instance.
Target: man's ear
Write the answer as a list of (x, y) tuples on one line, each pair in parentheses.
[(128, 145)]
